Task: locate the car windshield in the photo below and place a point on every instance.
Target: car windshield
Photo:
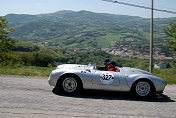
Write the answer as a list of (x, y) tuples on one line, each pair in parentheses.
[(90, 66)]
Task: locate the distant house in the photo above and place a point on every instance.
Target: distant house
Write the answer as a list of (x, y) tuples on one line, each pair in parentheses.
[(160, 66), (162, 55)]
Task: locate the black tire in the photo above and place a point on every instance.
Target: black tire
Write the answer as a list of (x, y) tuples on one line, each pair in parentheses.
[(143, 89), (70, 85)]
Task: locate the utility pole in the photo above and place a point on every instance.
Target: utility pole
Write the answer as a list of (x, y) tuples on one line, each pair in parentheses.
[(151, 39)]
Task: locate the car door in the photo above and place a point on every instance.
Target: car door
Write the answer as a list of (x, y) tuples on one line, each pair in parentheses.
[(106, 78)]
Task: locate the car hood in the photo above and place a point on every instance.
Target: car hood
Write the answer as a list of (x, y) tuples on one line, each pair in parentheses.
[(72, 66)]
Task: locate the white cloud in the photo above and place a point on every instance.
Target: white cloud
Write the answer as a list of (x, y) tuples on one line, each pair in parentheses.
[(37, 4)]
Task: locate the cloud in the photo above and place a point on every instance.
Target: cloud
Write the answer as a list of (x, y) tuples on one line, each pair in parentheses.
[(37, 4)]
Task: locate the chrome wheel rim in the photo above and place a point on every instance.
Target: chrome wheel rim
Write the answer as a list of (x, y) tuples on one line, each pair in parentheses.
[(69, 84), (143, 88)]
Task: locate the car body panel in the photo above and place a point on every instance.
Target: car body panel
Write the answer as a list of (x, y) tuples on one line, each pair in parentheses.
[(105, 80)]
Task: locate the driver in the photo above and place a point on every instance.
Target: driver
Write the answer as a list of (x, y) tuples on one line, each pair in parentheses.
[(106, 61), (111, 66)]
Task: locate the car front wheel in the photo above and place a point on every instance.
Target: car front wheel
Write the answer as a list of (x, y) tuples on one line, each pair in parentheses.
[(142, 89), (70, 85)]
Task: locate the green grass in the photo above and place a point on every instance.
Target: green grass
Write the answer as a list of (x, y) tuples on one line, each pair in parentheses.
[(169, 75), (102, 42), (113, 37), (109, 40), (26, 71)]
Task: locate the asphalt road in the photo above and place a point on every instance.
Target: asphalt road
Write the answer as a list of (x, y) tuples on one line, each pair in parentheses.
[(32, 97)]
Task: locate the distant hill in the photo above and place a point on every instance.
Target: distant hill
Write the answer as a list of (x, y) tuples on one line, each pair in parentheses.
[(86, 29)]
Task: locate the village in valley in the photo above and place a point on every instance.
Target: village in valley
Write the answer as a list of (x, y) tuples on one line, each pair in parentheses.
[(125, 52)]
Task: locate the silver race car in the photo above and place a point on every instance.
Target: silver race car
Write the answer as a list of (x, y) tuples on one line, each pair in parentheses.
[(72, 78)]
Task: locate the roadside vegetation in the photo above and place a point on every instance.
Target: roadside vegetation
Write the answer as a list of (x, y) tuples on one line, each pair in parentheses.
[(25, 70), (169, 75)]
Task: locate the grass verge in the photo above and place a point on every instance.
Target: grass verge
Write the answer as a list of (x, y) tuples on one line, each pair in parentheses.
[(169, 75), (26, 71)]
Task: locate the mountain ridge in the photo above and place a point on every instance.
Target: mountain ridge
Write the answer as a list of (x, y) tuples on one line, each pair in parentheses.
[(67, 29)]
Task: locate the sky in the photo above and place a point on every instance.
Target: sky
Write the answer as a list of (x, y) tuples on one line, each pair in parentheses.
[(34, 7)]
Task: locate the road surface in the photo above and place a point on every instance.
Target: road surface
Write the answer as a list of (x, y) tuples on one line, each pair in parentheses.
[(32, 97)]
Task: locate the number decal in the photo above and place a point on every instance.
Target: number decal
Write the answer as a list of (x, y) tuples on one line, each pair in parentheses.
[(106, 78), (103, 76), (110, 77)]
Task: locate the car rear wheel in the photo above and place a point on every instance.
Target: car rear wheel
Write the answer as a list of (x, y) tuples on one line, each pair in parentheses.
[(142, 89), (70, 85)]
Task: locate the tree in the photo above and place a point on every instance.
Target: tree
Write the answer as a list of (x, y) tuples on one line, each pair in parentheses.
[(6, 43), (171, 32)]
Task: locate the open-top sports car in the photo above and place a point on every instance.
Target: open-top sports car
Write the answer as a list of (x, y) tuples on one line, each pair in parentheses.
[(72, 78)]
